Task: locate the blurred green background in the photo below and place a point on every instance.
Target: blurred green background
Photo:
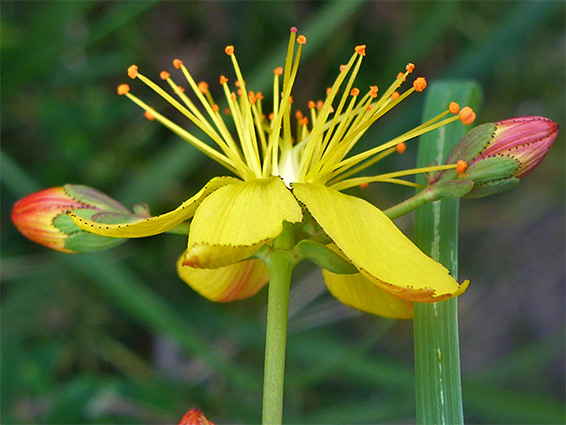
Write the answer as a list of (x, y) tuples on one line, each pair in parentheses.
[(117, 338)]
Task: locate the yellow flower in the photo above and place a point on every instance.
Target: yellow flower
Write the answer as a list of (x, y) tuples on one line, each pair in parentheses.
[(290, 167)]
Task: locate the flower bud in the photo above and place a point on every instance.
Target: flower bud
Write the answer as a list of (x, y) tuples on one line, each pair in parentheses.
[(194, 417), (499, 154), (42, 218)]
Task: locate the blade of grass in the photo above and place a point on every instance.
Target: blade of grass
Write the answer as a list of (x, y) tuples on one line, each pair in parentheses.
[(437, 354)]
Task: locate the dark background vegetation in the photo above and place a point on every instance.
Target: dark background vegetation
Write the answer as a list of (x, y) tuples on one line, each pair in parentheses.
[(117, 338)]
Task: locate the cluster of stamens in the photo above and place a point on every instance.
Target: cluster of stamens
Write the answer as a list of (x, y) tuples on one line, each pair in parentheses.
[(318, 149)]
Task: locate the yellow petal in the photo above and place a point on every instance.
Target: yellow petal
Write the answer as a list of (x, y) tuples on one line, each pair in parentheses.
[(154, 225), (234, 282), (376, 246), (232, 223), (357, 291)]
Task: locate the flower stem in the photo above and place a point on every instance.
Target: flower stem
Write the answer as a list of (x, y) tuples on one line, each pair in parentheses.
[(281, 263), (437, 355)]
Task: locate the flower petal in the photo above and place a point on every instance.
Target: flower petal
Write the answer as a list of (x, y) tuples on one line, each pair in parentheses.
[(376, 246), (357, 291), (232, 223), (154, 225), (234, 282)]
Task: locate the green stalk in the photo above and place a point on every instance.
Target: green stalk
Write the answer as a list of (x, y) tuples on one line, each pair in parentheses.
[(281, 263), (437, 353)]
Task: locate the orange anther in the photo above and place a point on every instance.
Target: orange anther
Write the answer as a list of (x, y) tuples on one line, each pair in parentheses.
[(227, 111), (290, 99), (177, 63), (410, 67), (319, 104), (237, 83), (394, 95), (328, 90), (373, 88), (259, 96), (301, 39), (181, 89), (278, 70), (233, 95), (164, 75), (271, 116), (149, 115), (215, 108), (251, 97), (304, 121), (461, 166), (467, 115), (354, 92), (419, 84), (454, 107), (133, 72), (299, 115), (293, 29), (123, 89), (401, 76), (361, 49), (342, 68), (202, 86), (239, 92), (311, 104), (223, 79), (364, 185), (373, 91), (330, 110), (401, 147), (229, 50)]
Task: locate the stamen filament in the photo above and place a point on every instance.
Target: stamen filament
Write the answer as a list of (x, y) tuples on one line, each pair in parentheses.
[(346, 184)]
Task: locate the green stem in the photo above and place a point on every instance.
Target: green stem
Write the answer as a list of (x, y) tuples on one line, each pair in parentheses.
[(281, 263), (437, 354)]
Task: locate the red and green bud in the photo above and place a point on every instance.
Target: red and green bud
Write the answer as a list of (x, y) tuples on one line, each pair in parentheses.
[(42, 218), (499, 154)]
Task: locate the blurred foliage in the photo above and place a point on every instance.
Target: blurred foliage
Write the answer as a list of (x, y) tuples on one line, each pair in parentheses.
[(118, 338)]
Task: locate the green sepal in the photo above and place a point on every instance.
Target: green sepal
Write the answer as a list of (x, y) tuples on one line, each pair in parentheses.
[(491, 169), (450, 189), (323, 257), (492, 187), (472, 143)]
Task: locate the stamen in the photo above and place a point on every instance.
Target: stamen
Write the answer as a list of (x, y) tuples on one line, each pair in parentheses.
[(123, 89), (461, 166), (223, 80), (454, 107), (364, 185), (410, 67), (164, 75), (401, 147), (394, 95), (149, 115), (293, 29), (342, 68), (301, 39), (355, 92), (229, 50), (203, 87), (360, 50), (278, 70), (401, 76), (133, 72), (177, 63), (467, 115), (311, 104), (419, 84)]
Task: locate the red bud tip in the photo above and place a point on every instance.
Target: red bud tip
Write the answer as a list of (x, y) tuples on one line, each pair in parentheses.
[(461, 166), (419, 84), (177, 63), (467, 115), (360, 50), (229, 50), (123, 89), (454, 107), (133, 72), (194, 417)]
